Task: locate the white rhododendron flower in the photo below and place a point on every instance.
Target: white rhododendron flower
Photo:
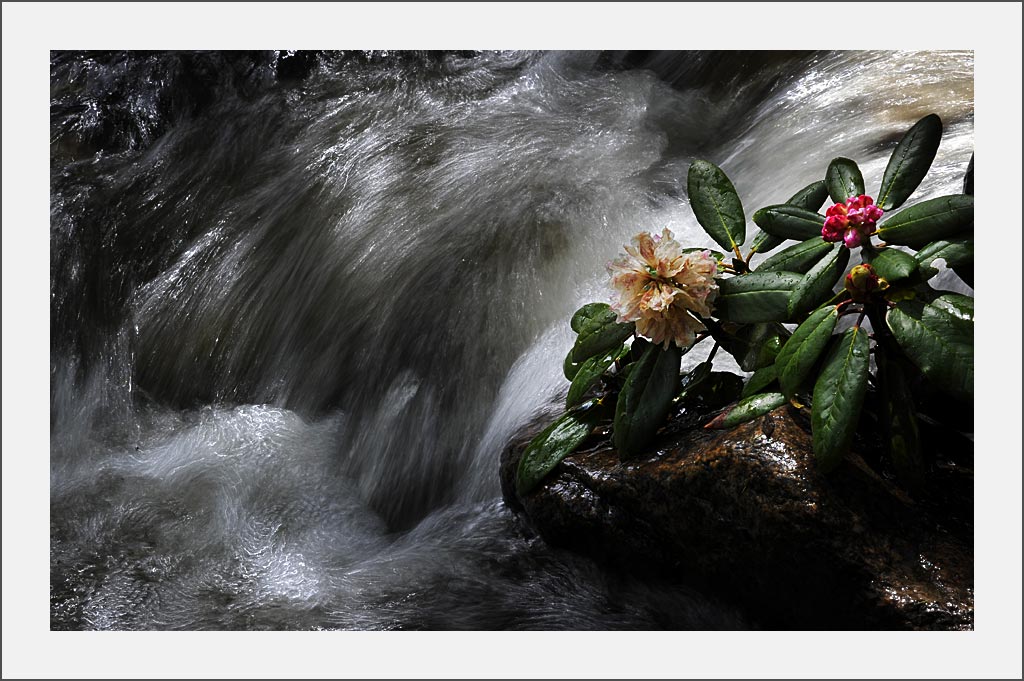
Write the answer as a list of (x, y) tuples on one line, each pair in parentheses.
[(659, 286)]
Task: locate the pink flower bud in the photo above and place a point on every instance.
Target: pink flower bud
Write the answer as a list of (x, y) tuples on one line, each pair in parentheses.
[(851, 222), (852, 238)]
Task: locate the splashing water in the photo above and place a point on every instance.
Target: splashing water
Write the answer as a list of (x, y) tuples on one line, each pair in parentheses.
[(301, 303)]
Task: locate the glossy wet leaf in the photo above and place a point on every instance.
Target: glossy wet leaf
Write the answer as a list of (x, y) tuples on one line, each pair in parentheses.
[(588, 312), (693, 378), (938, 337), (947, 217), (764, 242), (798, 257), (804, 347), (955, 252), (817, 285), (838, 397), (892, 264), (589, 373), (717, 255), (751, 345), (958, 306), (755, 297), (645, 399), (910, 162), (789, 222), (844, 179), (715, 204), (811, 197), (717, 390), (899, 421), (569, 367), (600, 334), (770, 348), (637, 348), (747, 409), (556, 442), (760, 379)]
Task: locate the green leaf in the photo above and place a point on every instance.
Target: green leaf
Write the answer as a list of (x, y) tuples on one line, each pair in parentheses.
[(770, 348), (910, 162), (715, 203), (748, 409), (891, 264), (790, 222), (646, 399), (752, 345), (556, 442), (637, 348), (717, 255), (838, 397), (755, 297), (900, 421), (942, 218), (764, 242), (956, 253), (569, 367), (803, 348), (844, 180), (760, 379), (693, 378), (939, 339), (798, 257), (816, 286), (958, 306), (600, 334), (587, 312), (811, 198), (717, 390), (589, 373)]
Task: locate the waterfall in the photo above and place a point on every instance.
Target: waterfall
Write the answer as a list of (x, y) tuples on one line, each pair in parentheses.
[(301, 302)]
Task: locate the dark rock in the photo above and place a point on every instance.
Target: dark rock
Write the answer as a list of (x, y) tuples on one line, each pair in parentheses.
[(745, 513)]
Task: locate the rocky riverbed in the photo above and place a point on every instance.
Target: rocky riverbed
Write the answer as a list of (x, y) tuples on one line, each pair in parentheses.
[(746, 514)]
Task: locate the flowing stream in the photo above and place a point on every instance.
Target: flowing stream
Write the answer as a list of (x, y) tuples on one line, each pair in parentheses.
[(300, 303)]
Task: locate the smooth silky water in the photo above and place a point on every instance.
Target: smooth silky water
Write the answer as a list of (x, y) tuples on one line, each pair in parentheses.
[(296, 313)]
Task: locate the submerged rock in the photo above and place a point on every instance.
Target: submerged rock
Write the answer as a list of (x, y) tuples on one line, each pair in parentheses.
[(745, 513)]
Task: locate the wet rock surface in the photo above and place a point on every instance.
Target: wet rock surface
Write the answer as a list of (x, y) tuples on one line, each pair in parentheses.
[(745, 514)]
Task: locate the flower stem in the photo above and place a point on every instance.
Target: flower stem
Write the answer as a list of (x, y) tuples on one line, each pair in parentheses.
[(838, 298)]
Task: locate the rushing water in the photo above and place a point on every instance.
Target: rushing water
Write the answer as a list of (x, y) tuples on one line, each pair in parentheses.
[(300, 303)]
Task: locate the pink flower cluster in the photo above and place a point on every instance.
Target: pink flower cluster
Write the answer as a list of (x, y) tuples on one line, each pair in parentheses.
[(851, 222)]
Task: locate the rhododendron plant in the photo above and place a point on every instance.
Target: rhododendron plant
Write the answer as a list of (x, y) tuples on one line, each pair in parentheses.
[(783, 319)]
